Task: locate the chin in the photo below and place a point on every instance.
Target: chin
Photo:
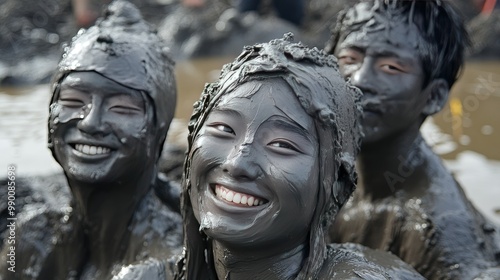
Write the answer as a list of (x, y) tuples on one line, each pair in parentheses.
[(94, 176), (229, 232), (371, 136)]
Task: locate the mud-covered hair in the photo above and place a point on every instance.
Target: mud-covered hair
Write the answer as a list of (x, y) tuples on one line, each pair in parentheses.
[(126, 49), (332, 103), (441, 28)]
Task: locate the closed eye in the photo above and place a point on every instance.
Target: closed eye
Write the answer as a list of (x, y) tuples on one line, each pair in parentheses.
[(71, 103), (126, 110)]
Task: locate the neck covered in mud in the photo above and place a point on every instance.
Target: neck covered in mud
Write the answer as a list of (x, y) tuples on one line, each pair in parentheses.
[(106, 211), (393, 164), (231, 263)]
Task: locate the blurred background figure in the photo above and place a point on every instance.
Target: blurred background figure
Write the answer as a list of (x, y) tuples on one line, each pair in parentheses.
[(289, 10), (484, 30), (193, 3), (487, 6), (87, 11)]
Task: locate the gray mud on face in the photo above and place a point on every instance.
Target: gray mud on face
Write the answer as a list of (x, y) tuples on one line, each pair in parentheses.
[(113, 212)]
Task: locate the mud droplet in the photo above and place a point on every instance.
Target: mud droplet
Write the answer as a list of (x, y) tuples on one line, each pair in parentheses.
[(54, 109), (65, 219)]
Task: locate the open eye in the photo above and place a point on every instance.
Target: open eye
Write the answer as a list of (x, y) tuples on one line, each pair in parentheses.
[(391, 66), (283, 147), (349, 57), (391, 69), (220, 129)]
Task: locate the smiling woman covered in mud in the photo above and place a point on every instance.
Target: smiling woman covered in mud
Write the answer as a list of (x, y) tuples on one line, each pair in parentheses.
[(270, 162)]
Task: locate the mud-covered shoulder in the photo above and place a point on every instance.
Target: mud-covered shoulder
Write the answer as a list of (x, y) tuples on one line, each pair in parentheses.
[(464, 242), (45, 237), (354, 261)]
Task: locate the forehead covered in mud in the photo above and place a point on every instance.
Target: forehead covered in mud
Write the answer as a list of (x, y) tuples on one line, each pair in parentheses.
[(124, 48), (322, 92), (370, 22)]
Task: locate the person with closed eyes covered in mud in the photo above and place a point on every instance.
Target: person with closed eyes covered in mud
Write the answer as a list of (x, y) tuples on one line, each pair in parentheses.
[(113, 99)]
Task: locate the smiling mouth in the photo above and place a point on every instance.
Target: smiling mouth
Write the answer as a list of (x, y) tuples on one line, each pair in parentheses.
[(91, 150), (241, 199)]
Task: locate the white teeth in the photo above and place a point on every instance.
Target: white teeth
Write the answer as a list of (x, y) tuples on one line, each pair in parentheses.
[(235, 197), (91, 150), (250, 201), (229, 196)]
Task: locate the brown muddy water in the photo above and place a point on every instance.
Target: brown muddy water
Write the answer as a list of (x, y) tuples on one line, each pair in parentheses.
[(466, 133)]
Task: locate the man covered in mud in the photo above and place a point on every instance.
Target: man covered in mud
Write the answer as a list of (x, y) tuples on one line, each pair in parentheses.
[(270, 161), (114, 97), (405, 56)]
